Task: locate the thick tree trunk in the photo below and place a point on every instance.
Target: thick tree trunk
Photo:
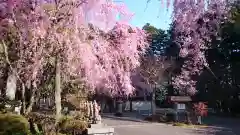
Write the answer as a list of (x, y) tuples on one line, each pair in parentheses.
[(131, 105), (58, 90), (3, 83), (31, 102), (153, 106), (23, 99), (11, 86)]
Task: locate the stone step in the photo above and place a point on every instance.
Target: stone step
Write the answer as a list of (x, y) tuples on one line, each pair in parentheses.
[(100, 131), (97, 125)]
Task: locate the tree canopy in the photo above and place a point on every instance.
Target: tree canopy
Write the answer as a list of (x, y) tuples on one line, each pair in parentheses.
[(90, 43)]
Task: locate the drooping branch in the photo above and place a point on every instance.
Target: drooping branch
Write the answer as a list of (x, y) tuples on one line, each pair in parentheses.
[(102, 57), (195, 24)]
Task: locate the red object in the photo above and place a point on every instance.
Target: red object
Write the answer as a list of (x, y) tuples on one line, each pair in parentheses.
[(201, 108)]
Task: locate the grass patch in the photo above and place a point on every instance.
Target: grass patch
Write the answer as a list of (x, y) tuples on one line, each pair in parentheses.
[(188, 125)]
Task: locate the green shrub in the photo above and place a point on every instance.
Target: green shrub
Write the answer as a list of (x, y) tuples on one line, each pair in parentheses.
[(68, 125), (41, 123), (40, 118), (13, 124), (81, 116), (2, 107), (156, 118), (118, 114), (64, 121), (170, 117)]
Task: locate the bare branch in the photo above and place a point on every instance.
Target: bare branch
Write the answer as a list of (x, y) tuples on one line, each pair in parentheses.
[(153, 68)]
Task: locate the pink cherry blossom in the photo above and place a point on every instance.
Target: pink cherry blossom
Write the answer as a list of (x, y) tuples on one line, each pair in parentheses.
[(93, 45)]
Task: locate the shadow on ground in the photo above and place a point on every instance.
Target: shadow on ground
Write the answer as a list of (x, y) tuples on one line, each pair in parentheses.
[(214, 131), (216, 125), (219, 126), (223, 125), (133, 119)]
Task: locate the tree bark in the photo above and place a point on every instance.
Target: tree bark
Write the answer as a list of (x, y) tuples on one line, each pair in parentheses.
[(153, 106), (58, 90), (11, 86), (32, 100), (23, 99), (130, 105), (16, 74)]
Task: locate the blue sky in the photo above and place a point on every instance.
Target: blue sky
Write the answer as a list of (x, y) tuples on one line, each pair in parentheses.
[(155, 14)]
